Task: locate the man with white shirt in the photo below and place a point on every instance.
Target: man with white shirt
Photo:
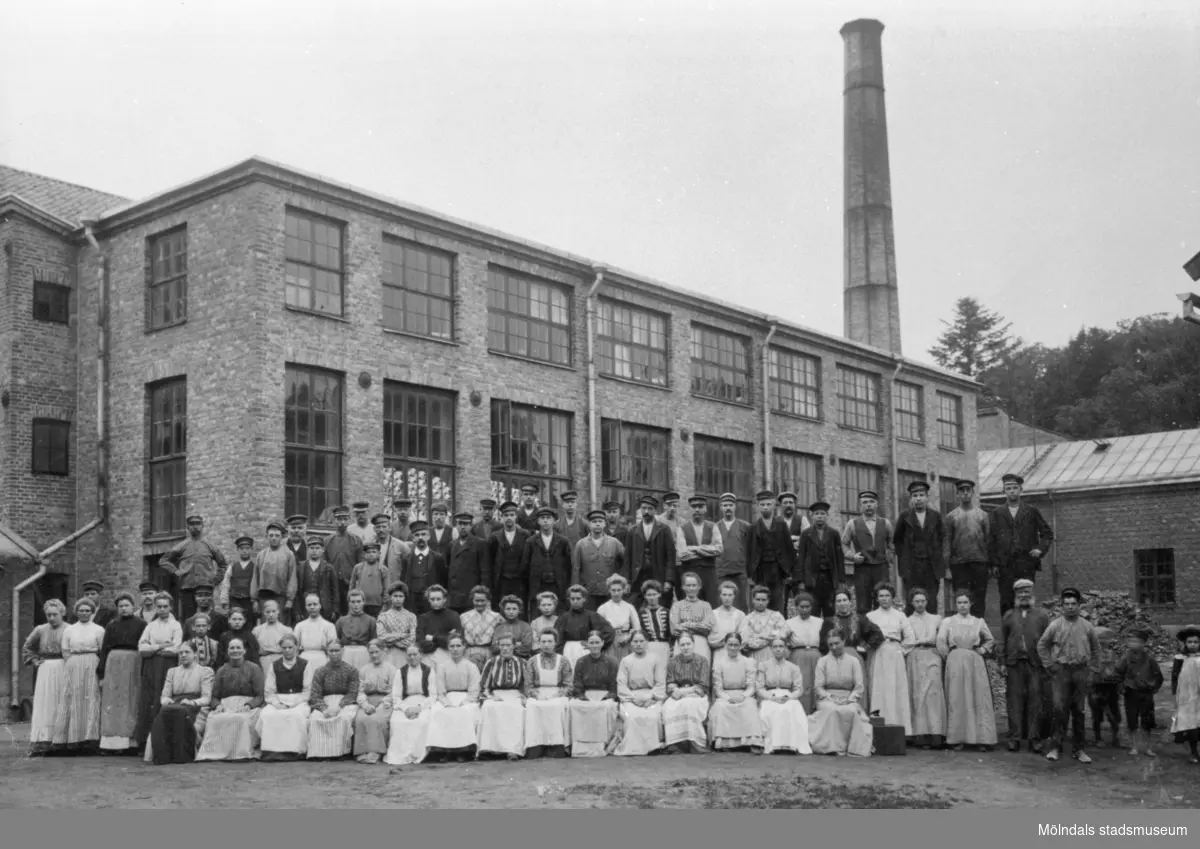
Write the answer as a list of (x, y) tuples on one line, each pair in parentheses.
[(867, 543), (797, 522), (920, 537), (650, 551), (507, 553), (441, 533), (734, 560), (1018, 538), (597, 557), (697, 545)]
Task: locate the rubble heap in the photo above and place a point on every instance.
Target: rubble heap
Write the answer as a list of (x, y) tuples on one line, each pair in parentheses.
[(1119, 612)]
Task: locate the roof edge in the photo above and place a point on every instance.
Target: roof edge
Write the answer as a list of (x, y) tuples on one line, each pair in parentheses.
[(13, 202)]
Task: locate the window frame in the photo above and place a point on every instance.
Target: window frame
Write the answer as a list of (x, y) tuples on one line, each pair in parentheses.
[(397, 398), (339, 227), (902, 413), (509, 317), (175, 284), (173, 462), (957, 423), (656, 459), (806, 493), (738, 474), (947, 494), (874, 406), (607, 363), (849, 500), (398, 284), (53, 430), (506, 475), (46, 293), (1156, 559), (776, 383), (697, 377), (294, 450)]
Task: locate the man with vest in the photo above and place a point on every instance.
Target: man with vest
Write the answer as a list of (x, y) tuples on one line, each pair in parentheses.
[(822, 563), (734, 558), (362, 527), (421, 568), (507, 549), (527, 514), (797, 522), (488, 524), (547, 561), (650, 552), (771, 556), (297, 531), (698, 545), (596, 558), (920, 536), (614, 520), (867, 544), (1018, 538), (1017, 653), (570, 525), (468, 566), (239, 578), (343, 551)]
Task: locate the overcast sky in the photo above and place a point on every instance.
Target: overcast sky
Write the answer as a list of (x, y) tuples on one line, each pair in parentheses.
[(1045, 155)]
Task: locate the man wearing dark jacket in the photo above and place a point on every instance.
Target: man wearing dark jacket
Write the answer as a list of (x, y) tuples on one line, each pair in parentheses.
[(469, 565), (1017, 654), (441, 532), (771, 556), (527, 512), (920, 536), (650, 553), (546, 559), (421, 568), (822, 562), (343, 550), (488, 524), (507, 549), (317, 575), (1018, 538)]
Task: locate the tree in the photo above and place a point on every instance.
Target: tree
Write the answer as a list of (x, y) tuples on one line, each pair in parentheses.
[(977, 340)]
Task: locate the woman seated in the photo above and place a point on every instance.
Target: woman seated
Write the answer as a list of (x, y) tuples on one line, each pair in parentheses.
[(186, 697), (240, 629), (479, 626), (760, 626), (694, 615), (502, 719), (780, 689), (642, 689), (685, 712), (655, 622), (414, 693), (284, 721), (547, 684), (43, 651), (621, 615), (454, 721), (397, 626), (268, 633), (232, 730), (593, 700), (840, 725), (806, 639), (577, 623), (333, 698), (733, 721), (313, 634), (373, 721)]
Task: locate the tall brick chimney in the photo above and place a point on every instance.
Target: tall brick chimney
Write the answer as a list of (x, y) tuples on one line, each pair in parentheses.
[(872, 301)]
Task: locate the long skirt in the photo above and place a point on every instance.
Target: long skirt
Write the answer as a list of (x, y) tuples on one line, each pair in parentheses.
[(456, 727), (807, 659), (889, 685), (684, 721), (356, 656), (925, 689), (315, 659), (731, 726), (785, 726), (593, 723), (840, 729), (371, 729), (233, 734), (409, 736), (642, 727), (154, 674), (285, 731), (548, 721), (1186, 721), (478, 655), (47, 696), (331, 737), (572, 651), (174, 733), (119, 699), (502, 724), (77, 719), (971, 715)]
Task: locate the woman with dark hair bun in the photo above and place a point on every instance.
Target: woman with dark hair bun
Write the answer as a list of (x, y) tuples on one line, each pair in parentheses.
[(926, 694), (859, 634), (885, 664), (963, 640)]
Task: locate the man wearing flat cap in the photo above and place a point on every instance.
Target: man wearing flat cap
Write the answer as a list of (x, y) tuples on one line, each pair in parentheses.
[(217, 623), (488, 524), (343, 551), (546, 559), (421, 568), (104, 614), (1020, 630), (391, 550), (235, 591), (317, 576), (194, 561), (570, 524), (507, 553), (698, 545), (966, 547), (297, 534), (650, 553), (867, 543), (919, 540), (822, 565), (362, 527), (1070, 653), (796, 521), (403, 509), (441, 534), (469, 565), (771, 555), (275, 573), (597, 557), (614, 520), (527, 514), (734, 559), (1018, 539)]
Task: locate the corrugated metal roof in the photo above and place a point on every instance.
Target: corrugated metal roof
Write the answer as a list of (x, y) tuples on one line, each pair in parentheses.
[(65, 200), (1145, 458)]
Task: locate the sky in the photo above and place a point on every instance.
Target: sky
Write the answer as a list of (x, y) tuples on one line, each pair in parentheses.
[(1043, 155)]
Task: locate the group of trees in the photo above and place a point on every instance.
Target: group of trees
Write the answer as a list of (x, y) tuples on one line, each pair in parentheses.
[(1142, 377)]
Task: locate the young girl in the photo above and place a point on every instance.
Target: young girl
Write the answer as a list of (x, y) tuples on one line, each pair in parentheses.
[(927, 696), (547, 603), (620, 614), (1185, 684)]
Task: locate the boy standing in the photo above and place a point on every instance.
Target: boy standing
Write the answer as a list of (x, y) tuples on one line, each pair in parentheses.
[(1141, 677), (1104, 697)]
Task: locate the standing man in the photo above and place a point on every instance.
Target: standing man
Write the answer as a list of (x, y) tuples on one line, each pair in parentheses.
[(488, 524), (771, 556), (614, 515), (597, 557), (527, 515), (670, 514), (735, 552), (421, 568), (441, 535), (507, 550), (650, 552), (297, 531), (867, 543), (318, 576), (241, 576), (797, 522), (400, 528), (920, 538), (1070, 654), (469, 566), (193, 562), (275, 573), (1021, 630), (217, 624), (698, 545), (391, 550), (571, 525), (343, 550), (966, 547), (147, 612), (371, 578), (362, 528), (822, 563), (1018, 539), (547, 560), (104, 614)]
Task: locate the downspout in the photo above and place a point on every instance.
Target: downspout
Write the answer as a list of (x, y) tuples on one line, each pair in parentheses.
[(768, 470), (1053, 545), (895, 568), (593, 426)]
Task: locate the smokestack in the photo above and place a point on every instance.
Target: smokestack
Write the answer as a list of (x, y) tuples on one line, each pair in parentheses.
[(872, 301)]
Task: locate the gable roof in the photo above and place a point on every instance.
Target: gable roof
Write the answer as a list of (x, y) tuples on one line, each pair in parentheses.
[(63, 200)]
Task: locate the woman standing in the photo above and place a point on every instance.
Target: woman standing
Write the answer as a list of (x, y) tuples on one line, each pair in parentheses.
[(547, 603), (239, 629), (1185, 684), (547, 685), (574, 626), (513, 626), (806, 639), (120, 673), (840, 725), (479, 626), (454, 721), (655, 622), (43, 651), (502, 719), (925, 674), (593, 708), (621, 615), (885, 664), (727, 619), (396, 627), (685, 712), (159, 647), (963, 640), (186, 697), (733, 721), (414, 693), (859, 634), (333, 703), (780, 689), (269, 633), (693, 615), (77, 721), (436, 624), (313, 634), (373, 721), (761, 626), (232, 730), (642, 688), (283, 724)]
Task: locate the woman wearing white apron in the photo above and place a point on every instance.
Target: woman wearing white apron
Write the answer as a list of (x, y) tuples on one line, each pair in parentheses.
[(655, 622), (622, 615), (780, 688), (642, 688), (547, 683), (283, 723), (414, 693), (314, 633), (733, 721), (576, 623), (693, 615), (454, 721), (685, 712), (593, 700), (43, 651), (232, 730), (396, 627), (334, 703), (373, 722), (760, 626), (502, 704), (886, 667), (805, 637)]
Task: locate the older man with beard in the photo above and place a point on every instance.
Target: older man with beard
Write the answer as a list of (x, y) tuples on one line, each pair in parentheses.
[(1020, 630)]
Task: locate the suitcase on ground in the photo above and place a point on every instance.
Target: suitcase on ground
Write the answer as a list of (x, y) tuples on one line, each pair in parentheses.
[(888, 739)]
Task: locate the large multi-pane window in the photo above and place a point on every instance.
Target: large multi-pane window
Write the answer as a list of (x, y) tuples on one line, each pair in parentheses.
[(910, 412), (418, 290), (634, 461), (903, 479), (631, 343), (168, 456), (51, 447), (166, 302), (855, 478), (950, 421), (720, 365), (530, 445), (794, 383), (1155, 577), (725, 466), (858, 399), (528, 317), (312, 442), (798, 473), (314, 268), (418, 446)]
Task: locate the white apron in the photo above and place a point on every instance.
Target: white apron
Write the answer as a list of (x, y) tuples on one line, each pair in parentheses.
[(547, 723), (502, 724)]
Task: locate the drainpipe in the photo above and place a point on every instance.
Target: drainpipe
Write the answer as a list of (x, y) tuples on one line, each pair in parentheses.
[(593, 425), (1053, 545), (768, 470), (895, 569)]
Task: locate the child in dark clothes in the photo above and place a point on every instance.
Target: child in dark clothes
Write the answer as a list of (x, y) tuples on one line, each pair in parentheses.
[(1141, 678), (1105, 695)]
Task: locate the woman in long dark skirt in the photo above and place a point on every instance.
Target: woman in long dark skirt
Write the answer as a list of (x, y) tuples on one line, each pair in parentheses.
[(120, 670), (186, 695), (159, 648)]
